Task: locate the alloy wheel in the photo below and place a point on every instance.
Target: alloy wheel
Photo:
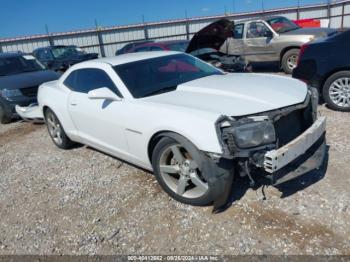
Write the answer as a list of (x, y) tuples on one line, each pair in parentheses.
[(339, 92), (54, 127), (180, 172)]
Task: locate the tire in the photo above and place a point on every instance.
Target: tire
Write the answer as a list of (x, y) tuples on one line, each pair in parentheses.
[(4, 118), (338, 83), (56, 131), (170, 182), (289, 60)]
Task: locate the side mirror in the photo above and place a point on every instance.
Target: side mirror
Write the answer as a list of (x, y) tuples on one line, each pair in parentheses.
[(103, 93)]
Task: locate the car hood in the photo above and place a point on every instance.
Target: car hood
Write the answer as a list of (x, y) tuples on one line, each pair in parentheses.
[(235, 94), (27, 79), (319, 32), (211, 36)]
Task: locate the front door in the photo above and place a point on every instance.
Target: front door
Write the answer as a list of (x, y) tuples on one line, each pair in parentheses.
[(99, 122), (258, 43)]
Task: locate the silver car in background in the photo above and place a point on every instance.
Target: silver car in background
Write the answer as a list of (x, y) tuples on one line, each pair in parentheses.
[(273, 39)]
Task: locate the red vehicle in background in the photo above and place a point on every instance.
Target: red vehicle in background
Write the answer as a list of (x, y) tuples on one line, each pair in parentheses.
[(311, 23)]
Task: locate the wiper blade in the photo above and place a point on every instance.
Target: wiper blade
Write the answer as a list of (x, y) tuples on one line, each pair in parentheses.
[(163, 90)]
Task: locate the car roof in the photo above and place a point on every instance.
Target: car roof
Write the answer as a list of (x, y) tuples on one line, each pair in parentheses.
[(130, 57)]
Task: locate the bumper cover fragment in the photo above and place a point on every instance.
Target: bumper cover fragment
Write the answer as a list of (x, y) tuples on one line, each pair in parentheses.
[(277, 159)]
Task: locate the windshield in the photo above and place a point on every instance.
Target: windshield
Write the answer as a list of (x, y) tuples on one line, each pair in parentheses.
[(66, 51), (19, 64), (282, 24), (180, 47), (162, 74)]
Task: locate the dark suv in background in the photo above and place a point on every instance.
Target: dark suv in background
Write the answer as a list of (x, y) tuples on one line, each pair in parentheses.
[(60, 58), (325, 64), (20, 77)]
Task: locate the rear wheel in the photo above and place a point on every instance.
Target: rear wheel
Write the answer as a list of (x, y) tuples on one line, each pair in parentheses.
[(336, 91), (4, 118), (56, 130), (290, 60), (178, 169)]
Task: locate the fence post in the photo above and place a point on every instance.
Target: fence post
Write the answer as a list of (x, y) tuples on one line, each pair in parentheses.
[(342, 15), (187, 30), (298, 11), (100, 42), (50, 39), (100, 39), (329, 10), (145, 30)]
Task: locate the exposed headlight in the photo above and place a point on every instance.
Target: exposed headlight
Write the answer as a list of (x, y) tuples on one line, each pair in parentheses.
[(254, 134), (10, 93)]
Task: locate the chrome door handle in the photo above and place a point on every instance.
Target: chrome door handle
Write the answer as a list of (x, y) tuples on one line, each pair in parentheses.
[(73, 104)]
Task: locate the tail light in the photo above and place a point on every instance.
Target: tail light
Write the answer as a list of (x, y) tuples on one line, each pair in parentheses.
[(301, 52)]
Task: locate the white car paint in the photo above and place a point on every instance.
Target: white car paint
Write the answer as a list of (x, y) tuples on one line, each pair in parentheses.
[(235, 94), (125, 127)]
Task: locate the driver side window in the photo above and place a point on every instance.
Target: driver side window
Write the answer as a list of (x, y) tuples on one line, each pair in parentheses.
[(257, 30), (88, 79)]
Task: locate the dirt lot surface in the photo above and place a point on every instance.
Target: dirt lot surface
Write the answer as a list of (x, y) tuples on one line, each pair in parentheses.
[(84, 202)]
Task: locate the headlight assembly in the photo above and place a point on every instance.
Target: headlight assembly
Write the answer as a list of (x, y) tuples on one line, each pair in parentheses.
[(254, 134), (8, 93)]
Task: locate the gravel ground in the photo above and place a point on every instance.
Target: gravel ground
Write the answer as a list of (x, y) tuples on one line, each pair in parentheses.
[(84, 202)]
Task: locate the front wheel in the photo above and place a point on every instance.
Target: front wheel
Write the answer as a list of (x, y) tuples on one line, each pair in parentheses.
[(290, 60), (178, 168), (336, 91)]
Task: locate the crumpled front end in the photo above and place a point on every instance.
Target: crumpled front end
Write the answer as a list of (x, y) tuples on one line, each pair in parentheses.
[(275, 140)]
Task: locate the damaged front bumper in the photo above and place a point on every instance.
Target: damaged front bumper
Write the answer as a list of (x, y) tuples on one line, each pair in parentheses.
[(275, 160), (31, 113), (313, 159)]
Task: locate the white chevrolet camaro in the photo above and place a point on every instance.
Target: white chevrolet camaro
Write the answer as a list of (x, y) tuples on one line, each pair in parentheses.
[(188, 122)]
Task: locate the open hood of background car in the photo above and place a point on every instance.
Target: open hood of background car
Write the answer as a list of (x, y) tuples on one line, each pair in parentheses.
[(211, 36)]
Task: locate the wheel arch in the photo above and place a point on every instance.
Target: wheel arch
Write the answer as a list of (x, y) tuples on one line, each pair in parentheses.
[(167, 133), (156, 138)]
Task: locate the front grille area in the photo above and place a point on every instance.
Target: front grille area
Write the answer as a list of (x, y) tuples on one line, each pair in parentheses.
[(292, 125), (30, 91)]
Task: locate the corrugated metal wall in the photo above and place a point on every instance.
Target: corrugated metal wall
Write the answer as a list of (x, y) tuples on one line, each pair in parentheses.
[(107, 40)]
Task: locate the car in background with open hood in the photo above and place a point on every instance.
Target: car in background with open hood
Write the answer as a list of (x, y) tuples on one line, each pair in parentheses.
[(206, 44)]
